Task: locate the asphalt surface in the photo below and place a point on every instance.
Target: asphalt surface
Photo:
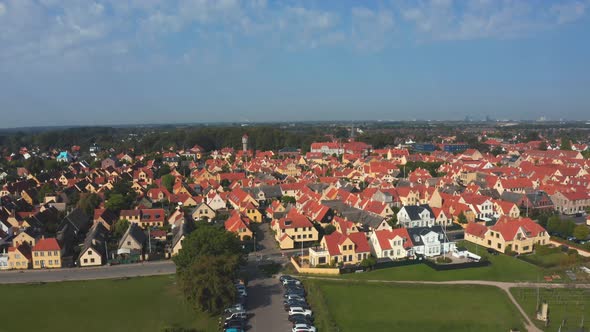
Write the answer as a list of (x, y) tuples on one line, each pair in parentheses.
[(89, 273), (265, 294)]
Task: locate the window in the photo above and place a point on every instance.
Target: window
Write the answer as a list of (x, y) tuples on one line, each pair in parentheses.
[(42, 253), (85, 260), (128, 243), (36, 254), (49, 253), (91, 260)]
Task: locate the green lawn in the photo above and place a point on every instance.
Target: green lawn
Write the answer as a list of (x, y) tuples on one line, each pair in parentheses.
[(137, 304), (570, 305), (503, 268), (347, 307)]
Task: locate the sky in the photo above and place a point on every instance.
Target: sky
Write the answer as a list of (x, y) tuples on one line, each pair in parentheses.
[(104, 62)]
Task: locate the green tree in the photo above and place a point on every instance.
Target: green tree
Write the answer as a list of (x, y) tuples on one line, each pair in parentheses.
[(165, 169), (368, 262), (43, 191), (392, 221), (88, 202), (461, 218), (120, 227), (329, 229), (117, 202), (208, 282), (288, 200), (581, 232), (207, 266), (553, 224), (566, 144), (168, 182)]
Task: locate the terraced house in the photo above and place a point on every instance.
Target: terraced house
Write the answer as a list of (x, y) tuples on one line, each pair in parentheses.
[(294, 230)]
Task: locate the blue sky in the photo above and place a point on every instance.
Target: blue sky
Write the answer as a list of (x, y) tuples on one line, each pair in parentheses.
[(71, 62)]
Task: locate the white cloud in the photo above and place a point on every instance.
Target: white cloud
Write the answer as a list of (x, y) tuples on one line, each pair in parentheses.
[(446, 20), (2, 8), (371, 30), (569, 12)]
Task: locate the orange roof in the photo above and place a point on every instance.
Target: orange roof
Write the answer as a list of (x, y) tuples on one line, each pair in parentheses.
[(46, 245)]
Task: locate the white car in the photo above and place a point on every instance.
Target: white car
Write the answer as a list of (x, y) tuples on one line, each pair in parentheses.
[(291, 282), (299, 311), (304, 328)]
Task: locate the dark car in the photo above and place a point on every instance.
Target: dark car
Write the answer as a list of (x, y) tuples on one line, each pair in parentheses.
[(492, 251), (235, 323), (300, 319), (296, 317), (286, 277)]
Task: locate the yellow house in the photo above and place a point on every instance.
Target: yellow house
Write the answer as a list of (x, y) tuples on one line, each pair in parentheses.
[(339, 248), (293, 230), (93, 252), (239, 225), (46, 254), (252, 212), (23, 237), (519, 235), (19, 258), (203, 211)]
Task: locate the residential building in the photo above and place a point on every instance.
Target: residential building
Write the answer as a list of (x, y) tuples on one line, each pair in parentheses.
[(46, 254), (393, 244), (339, 248), (519, 235)]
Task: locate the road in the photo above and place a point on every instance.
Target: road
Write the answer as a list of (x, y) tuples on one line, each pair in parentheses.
[(88, 273), (265, 294)]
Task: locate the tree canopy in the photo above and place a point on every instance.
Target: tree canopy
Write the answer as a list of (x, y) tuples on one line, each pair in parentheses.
[(207, 267)]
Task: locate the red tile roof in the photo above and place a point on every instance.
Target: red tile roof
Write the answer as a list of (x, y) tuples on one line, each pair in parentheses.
[(49, 244)]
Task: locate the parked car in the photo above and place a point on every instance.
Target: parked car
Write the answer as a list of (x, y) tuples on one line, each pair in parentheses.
[(233, 329), (294, 296), (235, 308), (295, 303), (300, 310), (301, 318), (286, 277), (235, 323), (291, 282), (493, 251), (304, 328), (236, 315)]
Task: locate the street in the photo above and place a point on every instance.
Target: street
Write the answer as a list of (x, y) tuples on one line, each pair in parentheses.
[(265, 294), (102, 272)]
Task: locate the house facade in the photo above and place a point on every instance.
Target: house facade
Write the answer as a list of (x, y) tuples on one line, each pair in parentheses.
[(519, 235), (46, 254)]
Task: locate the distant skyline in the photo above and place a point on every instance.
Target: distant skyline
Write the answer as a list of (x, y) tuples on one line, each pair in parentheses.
[(71, 62)]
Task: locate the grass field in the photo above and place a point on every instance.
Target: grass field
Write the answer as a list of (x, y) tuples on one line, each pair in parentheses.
[(137, 304), (569, 305), (349, 307), (503, 268)]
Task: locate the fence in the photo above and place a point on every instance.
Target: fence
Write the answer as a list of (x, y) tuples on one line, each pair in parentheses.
[(313, 270), (447, 267)]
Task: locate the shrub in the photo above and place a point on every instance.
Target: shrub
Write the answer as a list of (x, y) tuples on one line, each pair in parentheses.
[(443, 260)]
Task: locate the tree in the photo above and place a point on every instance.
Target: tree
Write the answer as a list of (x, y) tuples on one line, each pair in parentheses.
[(225, 183), (461, 218), (43, 191), (543, 146), (392, 221), (206, 267), (168, 182), (208, 282), (288, 200), (120, 227), (329, 229), (368, 262), (165, 169), (581, 232), (497, 150), (566, 144), (553, 224), (116, 202), (207, 240), (88, 202)]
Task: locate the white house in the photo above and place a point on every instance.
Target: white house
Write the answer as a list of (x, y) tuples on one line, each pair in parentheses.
[(416, 216), (392, 244), (430, 241)]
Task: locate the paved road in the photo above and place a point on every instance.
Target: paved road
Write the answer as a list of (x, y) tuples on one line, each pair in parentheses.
[(90, 273), (265, 294)]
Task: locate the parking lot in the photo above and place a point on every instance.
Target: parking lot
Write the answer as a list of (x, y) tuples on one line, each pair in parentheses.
[(265, 301)]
